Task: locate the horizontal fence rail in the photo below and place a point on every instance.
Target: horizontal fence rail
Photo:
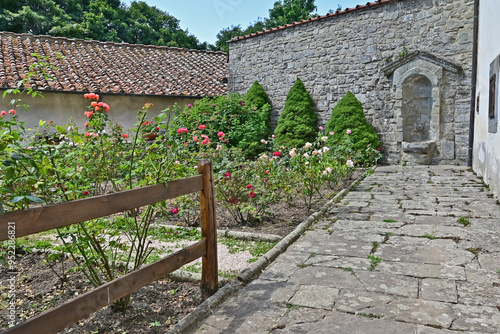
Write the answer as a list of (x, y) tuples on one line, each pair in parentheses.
[(59, 215), (45, 218)]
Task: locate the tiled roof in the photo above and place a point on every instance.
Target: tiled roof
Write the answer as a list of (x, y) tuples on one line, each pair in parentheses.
[(105, 67), (319, 17)]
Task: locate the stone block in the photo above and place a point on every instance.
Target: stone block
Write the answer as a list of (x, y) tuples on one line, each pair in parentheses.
[(448, 150)]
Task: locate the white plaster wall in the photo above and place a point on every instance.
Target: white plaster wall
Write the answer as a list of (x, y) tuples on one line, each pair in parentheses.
[(486, 155), (61, 107)]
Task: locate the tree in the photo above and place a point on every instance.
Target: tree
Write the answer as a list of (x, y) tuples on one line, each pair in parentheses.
[(297, 122), (289, 11), (283, 12), (348, 115), (34, 16), (224, 36), (104, 20)]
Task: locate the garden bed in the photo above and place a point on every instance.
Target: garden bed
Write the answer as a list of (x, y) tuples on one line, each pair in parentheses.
[(156, 307)]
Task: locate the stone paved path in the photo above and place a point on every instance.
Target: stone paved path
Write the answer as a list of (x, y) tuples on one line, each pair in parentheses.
[(409, 250)]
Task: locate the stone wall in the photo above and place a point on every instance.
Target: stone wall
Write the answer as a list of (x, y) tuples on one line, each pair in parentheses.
[(350, 51)]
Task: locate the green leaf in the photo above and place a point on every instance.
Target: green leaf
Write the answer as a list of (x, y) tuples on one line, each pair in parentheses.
[(17, 199), (7, 163), (35, 199), (16, 156), (11, 173), (77, 140), (60, 129), (27, 156)]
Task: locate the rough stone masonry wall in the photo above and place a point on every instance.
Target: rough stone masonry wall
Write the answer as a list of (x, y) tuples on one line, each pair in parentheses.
[(348, 51)]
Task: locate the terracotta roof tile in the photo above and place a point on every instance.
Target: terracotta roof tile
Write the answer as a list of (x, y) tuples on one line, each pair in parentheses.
[(105, 67), (320, 17)]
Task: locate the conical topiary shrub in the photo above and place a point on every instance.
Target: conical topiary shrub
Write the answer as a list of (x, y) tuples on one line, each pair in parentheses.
[(348, 115), (256, 96), (297, 123), (258, 102)]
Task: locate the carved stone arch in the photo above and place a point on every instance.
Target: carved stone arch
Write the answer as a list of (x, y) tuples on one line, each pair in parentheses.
[(417, 79)]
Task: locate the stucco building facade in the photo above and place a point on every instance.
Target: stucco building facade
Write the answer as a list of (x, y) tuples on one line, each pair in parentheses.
[(486, 150), (125, 76)]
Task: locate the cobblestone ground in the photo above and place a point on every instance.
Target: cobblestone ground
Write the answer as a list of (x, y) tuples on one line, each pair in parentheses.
[(409, 250)]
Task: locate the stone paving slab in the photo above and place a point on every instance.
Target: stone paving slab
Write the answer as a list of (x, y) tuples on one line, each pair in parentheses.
[(390, 257)]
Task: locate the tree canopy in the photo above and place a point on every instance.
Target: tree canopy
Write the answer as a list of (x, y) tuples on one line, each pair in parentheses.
[(103, 20), (283, 12), (139, 23)]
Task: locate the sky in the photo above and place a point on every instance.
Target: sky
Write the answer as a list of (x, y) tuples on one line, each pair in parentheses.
[(205, 18)]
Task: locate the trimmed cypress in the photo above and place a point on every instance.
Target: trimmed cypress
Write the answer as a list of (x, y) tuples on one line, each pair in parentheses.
[(256, 96), (348, 114), (297, 123)]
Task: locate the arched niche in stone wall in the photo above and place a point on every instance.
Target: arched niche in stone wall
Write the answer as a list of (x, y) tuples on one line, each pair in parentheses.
[(417, 108)]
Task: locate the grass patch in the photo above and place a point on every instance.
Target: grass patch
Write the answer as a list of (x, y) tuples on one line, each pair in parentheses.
[(312, 255), (474, 251), (369, 315), (163, 233), (193, 268), (390, 221), (349, 269), (464, 221), (256, 248), (231, 274), (290, 308), (374, 261), (429, 236)]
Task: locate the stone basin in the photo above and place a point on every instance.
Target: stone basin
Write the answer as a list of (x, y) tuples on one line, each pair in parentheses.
[(422, 147)]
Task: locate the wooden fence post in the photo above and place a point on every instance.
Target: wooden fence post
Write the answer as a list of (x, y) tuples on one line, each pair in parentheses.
[(210, 272)]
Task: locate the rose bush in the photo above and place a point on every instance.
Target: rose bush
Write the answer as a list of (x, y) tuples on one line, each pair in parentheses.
[(56, 163)]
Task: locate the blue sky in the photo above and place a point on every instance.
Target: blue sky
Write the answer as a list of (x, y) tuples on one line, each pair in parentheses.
[(205, 18)]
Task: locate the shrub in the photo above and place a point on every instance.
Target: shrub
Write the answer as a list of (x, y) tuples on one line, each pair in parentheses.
[(348, 115), (225, 119), (256, 96), (297, 122)]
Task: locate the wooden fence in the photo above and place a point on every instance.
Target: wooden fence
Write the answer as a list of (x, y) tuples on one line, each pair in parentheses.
[(59, 215)]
